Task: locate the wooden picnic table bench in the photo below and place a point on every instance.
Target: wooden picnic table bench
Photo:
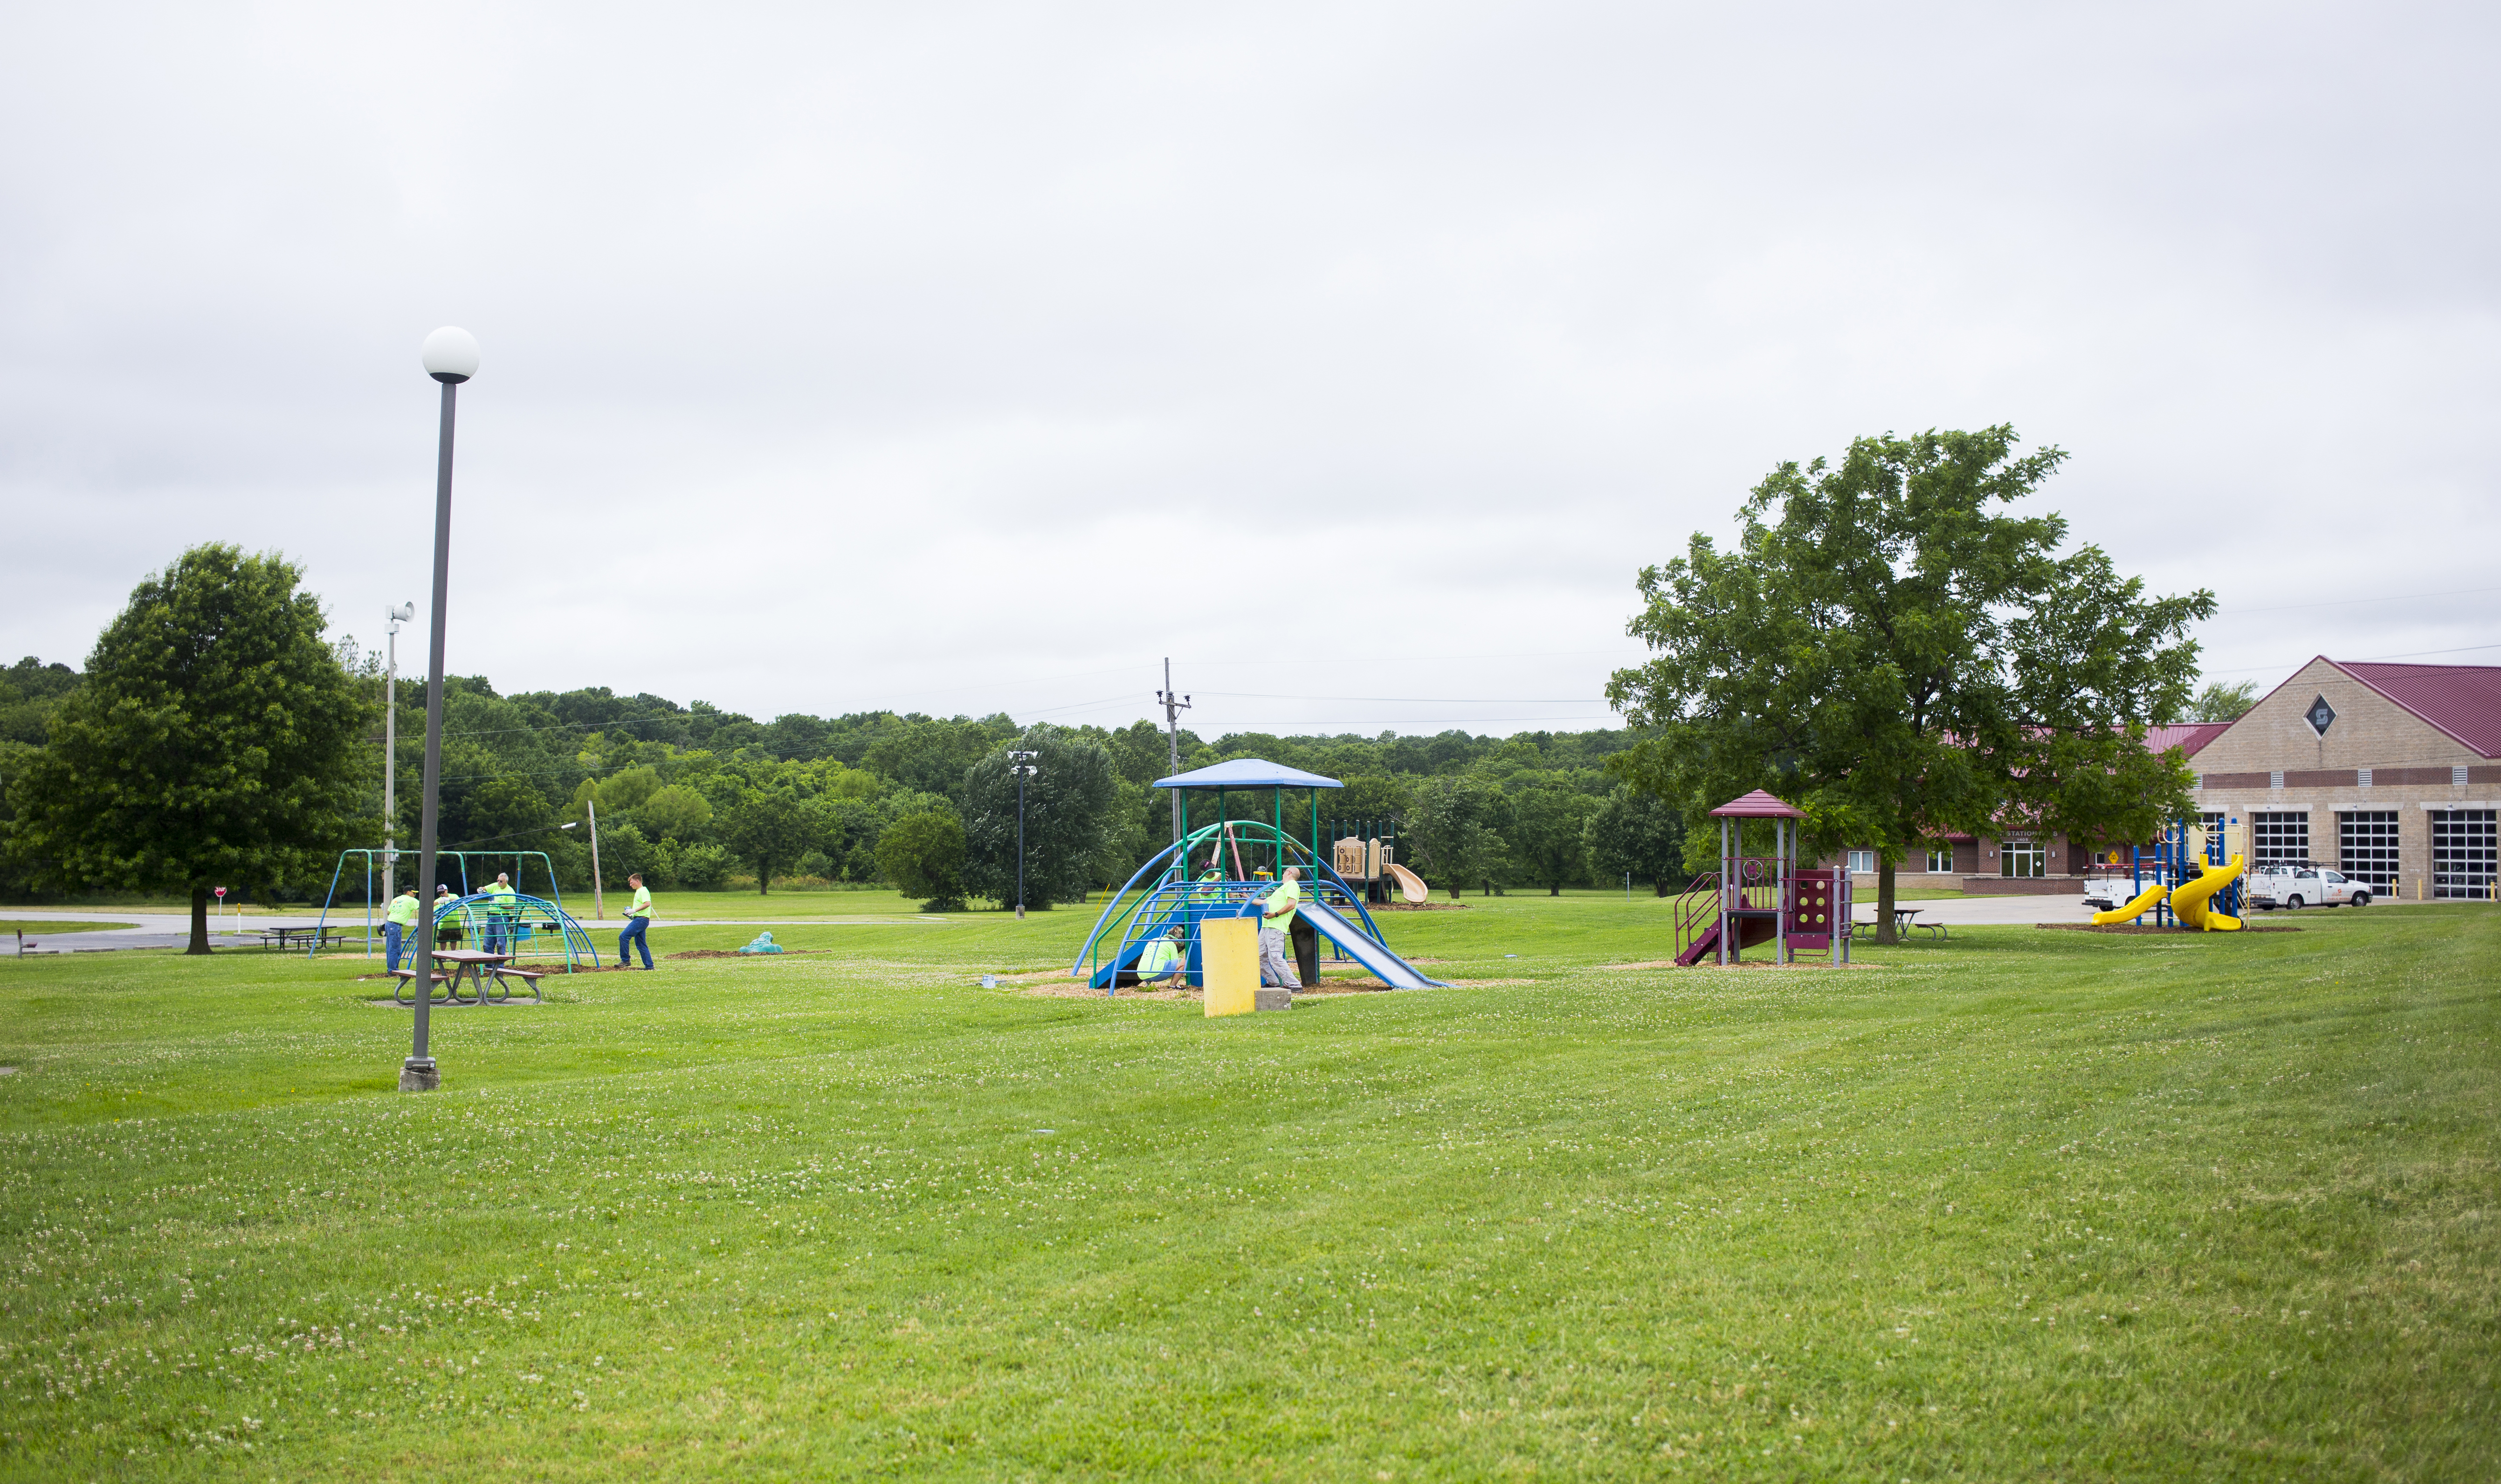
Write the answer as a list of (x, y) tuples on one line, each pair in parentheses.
[(1904, 918)]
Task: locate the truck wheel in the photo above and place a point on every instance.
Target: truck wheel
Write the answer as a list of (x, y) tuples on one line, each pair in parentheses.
[(2362, 898), (2292, 904)]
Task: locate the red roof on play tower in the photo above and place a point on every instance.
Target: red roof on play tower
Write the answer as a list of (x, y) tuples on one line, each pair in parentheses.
[(1758, 805)]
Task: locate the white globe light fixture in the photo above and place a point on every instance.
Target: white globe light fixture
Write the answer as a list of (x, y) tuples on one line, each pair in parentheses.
[(451, 357), (451, 354)]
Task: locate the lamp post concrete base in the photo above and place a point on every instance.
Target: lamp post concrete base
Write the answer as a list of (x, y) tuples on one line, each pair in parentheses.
[(419, 1077)]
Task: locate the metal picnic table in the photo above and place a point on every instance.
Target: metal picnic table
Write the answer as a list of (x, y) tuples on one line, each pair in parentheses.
[(485, 974)]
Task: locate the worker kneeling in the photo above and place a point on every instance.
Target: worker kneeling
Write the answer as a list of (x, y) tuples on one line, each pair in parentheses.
[(1276, 916), (1159, 965)]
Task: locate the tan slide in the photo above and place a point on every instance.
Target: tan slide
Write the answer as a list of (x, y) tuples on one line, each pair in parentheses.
[(1409, 885)]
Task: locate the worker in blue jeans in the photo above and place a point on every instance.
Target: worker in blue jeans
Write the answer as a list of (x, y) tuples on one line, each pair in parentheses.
[(638, 921), (398, 926)]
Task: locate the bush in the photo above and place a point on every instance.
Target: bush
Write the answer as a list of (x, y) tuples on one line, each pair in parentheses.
[(923, 855)]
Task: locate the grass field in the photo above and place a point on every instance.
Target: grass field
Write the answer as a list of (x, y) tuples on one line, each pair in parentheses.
[(2021, 1205)]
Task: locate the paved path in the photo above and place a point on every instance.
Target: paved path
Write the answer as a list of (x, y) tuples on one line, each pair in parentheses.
[(173, 930)]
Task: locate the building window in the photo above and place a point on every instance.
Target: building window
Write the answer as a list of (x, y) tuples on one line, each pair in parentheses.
[(2366, 848), (2211, 822), (2024, 858), (2463, 854), (1940, 860), (1862, 863), (2279, 838)]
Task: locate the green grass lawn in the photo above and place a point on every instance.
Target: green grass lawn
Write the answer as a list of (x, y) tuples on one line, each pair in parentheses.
[(2021, 1205)]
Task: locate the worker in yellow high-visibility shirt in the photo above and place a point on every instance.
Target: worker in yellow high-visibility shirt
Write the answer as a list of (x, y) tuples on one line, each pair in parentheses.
[(398, 924), (499, 906), (1276, 916), (1159, 963)]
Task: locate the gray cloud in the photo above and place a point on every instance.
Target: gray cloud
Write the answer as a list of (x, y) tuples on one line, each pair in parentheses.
[(977, 357)]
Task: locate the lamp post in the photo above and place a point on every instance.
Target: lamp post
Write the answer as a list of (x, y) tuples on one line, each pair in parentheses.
[(451, 357), (1024, 769), (391, 745)]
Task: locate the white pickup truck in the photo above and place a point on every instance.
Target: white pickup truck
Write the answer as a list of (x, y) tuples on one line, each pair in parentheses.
[(2114, 887), (2296, 886)]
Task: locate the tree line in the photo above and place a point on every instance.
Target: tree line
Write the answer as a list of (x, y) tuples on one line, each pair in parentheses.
[(218, 735)]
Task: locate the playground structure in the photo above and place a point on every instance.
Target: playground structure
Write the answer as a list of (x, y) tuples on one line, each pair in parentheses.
[(1224, 871), (1752, 900), (2191, 879), (1365, 853), (375, 909), (537, 933)]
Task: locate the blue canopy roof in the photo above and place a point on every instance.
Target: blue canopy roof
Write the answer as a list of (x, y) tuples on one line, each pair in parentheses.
[(1247, 773)]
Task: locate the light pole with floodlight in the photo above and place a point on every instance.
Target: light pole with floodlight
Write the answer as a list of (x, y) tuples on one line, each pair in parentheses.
[(1023, 769), (391, 745), (451, 357)]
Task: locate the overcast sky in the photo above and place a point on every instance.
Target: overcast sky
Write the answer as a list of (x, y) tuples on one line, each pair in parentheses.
[(967, 358)]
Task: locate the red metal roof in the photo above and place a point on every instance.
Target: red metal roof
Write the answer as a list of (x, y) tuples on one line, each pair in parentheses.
[(2463, 700), (1758, 805), (2186, 736)]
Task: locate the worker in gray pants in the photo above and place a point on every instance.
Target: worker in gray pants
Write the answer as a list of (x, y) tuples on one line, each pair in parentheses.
[(1276, 915)]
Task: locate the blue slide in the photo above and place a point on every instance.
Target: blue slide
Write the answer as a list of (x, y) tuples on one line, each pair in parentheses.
[(1387, 967)]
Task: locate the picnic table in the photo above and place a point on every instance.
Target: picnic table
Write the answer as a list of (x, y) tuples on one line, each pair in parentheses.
[(1903, 920), (283, 938), (489, 975)]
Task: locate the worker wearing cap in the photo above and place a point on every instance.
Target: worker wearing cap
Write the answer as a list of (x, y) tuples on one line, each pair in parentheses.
[(397, 923), (1276, 916), (447, 932)]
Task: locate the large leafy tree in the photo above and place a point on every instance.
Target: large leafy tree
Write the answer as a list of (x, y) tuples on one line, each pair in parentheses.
[(1637, 834), (1888, 648), (1546, 836), (772, 828), (216, 740), (1069, 824), (1450, 834)]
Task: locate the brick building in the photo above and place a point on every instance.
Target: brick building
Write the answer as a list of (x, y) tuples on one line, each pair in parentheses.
[(2387, 772)]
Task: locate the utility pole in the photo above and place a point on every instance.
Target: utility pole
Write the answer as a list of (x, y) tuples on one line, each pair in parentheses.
[(1024, 769), (598, 898), (1173, 708), (391, 744)]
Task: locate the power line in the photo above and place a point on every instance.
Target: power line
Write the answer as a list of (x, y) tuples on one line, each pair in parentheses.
[(2287, 608), (2363, 659)]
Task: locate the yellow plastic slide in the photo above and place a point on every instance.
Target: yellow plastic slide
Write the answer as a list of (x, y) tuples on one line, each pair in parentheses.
[(2189, 901), (2144, 903)]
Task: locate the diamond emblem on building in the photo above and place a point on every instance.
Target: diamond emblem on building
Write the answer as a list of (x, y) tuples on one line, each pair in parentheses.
[(2321, 714)]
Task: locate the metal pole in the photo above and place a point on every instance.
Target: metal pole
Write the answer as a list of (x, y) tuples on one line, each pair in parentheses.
[(391, 759), (1019, 843), (598, 898), (418, 1072), (1172, 735)]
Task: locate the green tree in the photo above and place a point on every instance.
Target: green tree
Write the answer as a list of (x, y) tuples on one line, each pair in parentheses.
[(1885, 651), (771, 828), (674, 812), (1449, 835), (1546, 825), (2219, 701), (1637, 834), (923, 855), (217, 741), (1068, 819)]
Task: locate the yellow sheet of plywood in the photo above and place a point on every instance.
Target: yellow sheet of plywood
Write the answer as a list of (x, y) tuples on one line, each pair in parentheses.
[(1229, 959)]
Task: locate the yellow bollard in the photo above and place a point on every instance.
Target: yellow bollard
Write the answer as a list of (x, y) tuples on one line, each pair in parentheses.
[(1228, 961)]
